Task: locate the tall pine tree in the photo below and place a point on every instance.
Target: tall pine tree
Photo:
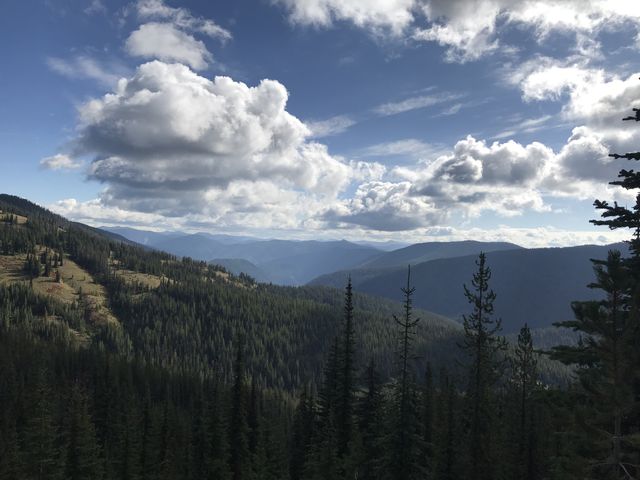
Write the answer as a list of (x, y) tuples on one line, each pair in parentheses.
[(404, 441), (484, 348)]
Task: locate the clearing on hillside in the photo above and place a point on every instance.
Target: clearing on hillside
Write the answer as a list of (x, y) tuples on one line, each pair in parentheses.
[(76, 285)]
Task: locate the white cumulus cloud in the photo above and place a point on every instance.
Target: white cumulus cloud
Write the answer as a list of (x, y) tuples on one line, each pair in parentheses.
[(167, 139)]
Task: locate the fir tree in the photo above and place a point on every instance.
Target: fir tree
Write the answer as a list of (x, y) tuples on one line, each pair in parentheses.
[(606, 369), (615, 217), (346, 388), (404, 446), (525, 377), (483, 346), (325, 455)]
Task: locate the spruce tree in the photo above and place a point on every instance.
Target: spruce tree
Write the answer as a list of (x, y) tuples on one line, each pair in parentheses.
[(615, 217), (484, 348), (404, 441), (604, 358), (346, 374), (525, 378), (323, 461)]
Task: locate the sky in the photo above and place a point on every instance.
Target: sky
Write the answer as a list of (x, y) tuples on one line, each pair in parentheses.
[(404, 120)]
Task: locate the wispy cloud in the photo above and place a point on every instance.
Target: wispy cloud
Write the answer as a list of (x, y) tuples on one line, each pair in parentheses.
[(95, 7), (86, 67), (330, 126), (414, 103), (526, 126), (409, 147)]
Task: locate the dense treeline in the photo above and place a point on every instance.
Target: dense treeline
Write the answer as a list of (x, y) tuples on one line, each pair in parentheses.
[(81, 414), (74, 412)]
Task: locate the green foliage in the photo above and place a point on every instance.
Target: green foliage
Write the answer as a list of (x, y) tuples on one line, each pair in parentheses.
[(404, 443), (484, 348), (604, 357)]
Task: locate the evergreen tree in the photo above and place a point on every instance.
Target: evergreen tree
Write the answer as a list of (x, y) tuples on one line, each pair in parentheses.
[(323, 461), (519, 403), (346, 374), (605, 369), (483, 346), (403, 462), (615, 217), (525, 377)]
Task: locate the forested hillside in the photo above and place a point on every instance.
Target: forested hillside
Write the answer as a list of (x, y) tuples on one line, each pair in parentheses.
[(184, 314)]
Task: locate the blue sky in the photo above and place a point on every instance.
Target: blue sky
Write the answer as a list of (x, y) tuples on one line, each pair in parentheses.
[(411, 120)]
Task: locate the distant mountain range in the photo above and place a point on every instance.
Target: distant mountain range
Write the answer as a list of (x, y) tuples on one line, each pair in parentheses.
[(423, 252), (285, 262), (535, 286)]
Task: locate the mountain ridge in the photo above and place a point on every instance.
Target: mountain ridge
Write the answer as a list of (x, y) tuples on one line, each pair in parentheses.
[(520, 278)]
